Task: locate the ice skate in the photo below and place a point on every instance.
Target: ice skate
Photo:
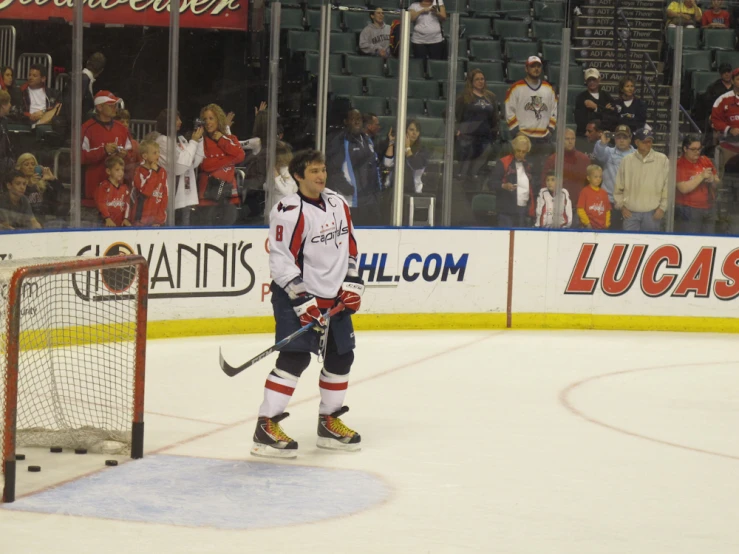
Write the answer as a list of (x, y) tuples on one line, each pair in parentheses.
[(270, 441), (334, 435)]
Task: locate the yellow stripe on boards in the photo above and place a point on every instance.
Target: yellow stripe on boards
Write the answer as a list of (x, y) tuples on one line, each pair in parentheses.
[(626, 322)]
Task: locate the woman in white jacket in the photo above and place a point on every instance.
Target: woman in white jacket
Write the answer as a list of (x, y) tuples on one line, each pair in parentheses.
[(285, 185), (189, 155)]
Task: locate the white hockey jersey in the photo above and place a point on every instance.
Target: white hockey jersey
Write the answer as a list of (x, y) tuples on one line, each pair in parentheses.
[(532, 110), (312, 239)]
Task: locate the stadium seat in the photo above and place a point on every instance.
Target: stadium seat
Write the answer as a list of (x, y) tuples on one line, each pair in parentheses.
[(701, 80), (370, 66), (485, 8), (387, 5), (475, 27), (415, 68), (691, 38), (418, 88), (458, 86), (370, 104), (439, 69), (484, 209), (486, 50), (436, 108), (575, 74), (345, 85), (381, 86), (572, 92), (456, 6), (516, 9), (415, 107), (547, 31), (552, 52), (500, 90), (493, 71), (315, 4), (386, 122), (435, 146), (520, 51), (700, 60), (302, 41), (723, 56), (516, 71), (314, 20), (463, 48), (356, 21), (719, 39), (344, 43), (292, 19), (335, 63), (553, 10), (354, 3), (511, 30)]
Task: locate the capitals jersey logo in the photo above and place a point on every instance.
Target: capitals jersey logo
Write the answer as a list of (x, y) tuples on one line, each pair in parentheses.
[(284, 208), (536, 105), (598, 208)]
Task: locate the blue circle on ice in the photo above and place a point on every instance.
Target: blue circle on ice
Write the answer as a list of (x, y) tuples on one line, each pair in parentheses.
[(201, 492)]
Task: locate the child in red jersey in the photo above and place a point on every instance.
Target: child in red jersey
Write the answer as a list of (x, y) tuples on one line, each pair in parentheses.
[(113, 196), (150, 182), (593, 206)]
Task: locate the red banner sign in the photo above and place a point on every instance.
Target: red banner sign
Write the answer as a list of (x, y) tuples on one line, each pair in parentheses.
[(204, 14)]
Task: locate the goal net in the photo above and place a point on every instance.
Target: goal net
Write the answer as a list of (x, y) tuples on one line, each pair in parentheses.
[(72, 350)]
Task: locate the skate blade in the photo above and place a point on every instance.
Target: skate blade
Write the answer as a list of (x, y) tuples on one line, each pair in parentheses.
[(333, 444), (264, 451)]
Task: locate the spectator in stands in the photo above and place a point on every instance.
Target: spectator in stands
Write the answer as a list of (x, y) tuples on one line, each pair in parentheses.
[(641, 185), (725, 120), (375, 37), (133, 157), (696, 190), (716, 17), (7, 160), (93, 68), (610, 158), (593, 207), (594, 103), (37, 106), (513, 178), (427, 39), (15, 210), (416, 159), (113, 197), (704, 104), (593, 132), (684, 13), (285, 185), (531, 110), (353, 170), (150, 184), (632, 111), (7, 83), (221, 151), (102, 136), (44, 191), (371, 126), (575, 168), (476, 113), (546, 202), (188, 156)]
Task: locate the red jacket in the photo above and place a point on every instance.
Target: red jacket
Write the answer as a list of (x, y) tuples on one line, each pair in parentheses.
[(113, 202), (219, 161), (724, 117), (95, 135), (575, 174), (505, 172), (151, 196)]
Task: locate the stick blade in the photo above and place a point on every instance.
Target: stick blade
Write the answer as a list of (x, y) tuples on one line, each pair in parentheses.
[(227, 369)]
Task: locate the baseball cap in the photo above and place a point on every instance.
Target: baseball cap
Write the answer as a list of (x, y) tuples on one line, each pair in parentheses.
[(107, 97), (645, 133), (622, 130), (592, 73), (533, 59), (735, 72), (724, 68)]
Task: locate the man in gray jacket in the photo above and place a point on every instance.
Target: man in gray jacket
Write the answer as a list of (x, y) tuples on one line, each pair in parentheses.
[(641, 185), (375, 37), (610, 157)]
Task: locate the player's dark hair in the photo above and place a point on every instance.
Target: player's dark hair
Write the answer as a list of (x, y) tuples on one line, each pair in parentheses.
[(690, 139), (550, 173), (96, 63), (596, 123), (303, 159), (11, 175), (367, 118), (161, 125), (40, 68), (113, 161)]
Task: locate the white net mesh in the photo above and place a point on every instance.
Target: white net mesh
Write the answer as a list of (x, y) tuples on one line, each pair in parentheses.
[(76, 361)]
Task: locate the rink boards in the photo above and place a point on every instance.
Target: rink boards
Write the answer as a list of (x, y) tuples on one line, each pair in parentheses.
[(432, 278)]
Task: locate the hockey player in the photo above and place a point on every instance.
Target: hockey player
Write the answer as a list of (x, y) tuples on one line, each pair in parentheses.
[(313, 263)]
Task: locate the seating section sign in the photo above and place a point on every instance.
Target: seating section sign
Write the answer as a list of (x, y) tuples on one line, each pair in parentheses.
[(206, 14)]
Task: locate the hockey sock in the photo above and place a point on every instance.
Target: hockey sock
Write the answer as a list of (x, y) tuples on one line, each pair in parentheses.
[(333, 390), (278, 389)]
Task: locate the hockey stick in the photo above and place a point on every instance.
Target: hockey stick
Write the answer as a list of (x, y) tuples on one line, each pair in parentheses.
[(231, 370)]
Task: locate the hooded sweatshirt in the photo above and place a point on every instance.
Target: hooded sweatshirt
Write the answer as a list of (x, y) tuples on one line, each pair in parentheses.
[(372, 39)]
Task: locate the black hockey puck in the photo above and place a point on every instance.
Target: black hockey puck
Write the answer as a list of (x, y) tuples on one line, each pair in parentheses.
[(20, 456), (34, 469), (111, 462), (80, 450), (55, 449)]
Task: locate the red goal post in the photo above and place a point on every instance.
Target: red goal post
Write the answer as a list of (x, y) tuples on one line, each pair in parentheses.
[(72, 356)]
